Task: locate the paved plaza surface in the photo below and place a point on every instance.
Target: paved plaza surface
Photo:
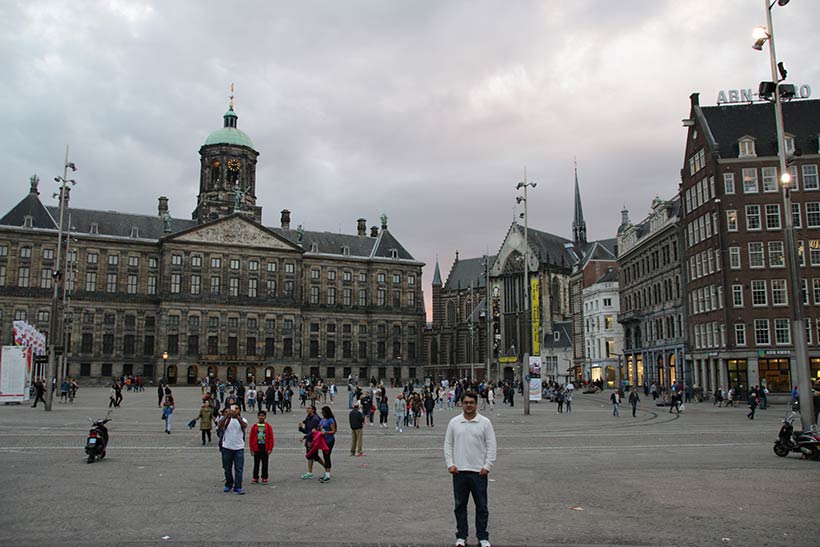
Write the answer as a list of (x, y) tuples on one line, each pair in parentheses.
[(707, 477)]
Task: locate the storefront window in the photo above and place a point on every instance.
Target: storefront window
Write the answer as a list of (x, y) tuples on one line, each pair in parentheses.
[(630, 369), (775, 374), (737, 376), (673, 372), (639, 360), (815, 373)]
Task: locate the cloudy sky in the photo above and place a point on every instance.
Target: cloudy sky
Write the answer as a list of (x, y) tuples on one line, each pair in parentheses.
[(425, 110)]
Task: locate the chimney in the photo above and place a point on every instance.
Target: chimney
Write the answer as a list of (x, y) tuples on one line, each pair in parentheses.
[(374, 231), (285, 219), (361, 227), (162, 208)]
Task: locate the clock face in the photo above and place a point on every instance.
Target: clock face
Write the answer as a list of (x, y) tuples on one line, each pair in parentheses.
[(233, 165)]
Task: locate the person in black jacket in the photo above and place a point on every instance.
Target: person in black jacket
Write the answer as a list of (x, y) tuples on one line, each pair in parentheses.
[(429, 406), (356, 429)]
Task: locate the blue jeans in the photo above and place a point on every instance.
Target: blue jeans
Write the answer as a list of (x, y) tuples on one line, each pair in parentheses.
[(615, 409), (350, 400), (464, 484), (233, 460)]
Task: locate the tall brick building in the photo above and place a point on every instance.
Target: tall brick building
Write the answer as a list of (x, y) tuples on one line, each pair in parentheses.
[(732, 224)]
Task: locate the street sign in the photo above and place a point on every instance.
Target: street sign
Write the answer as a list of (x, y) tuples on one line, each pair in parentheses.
[(41, 359), (508, 359)]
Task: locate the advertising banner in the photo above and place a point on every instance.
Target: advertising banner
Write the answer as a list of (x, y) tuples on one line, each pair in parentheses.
[(535, 378), (15, 374), (535, 307)]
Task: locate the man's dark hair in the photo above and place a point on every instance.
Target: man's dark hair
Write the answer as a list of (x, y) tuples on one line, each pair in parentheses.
[(471, 394)]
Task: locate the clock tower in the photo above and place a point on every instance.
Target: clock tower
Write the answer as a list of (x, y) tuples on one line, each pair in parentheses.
[(227, 178)]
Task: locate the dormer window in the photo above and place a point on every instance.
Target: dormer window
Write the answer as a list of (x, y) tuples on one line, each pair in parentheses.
[(95, 228), (28, 221), (394, 253), (556, 336), (789, 140), (135, 232), (314, 247), (346, 250), (747, 148)]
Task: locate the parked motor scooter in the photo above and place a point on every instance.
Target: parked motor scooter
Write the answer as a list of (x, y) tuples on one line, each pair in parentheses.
[(97, 440), (806, 443)]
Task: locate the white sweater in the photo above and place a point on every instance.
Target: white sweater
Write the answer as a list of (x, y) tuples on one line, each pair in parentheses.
[(470, 444)]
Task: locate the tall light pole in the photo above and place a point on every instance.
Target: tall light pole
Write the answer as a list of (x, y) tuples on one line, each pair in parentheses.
[(68, 268), (53, 338), (526, 358), (488, 315), (798, 327)]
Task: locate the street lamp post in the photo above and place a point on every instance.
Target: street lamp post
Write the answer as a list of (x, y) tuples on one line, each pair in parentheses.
[(53, 338), (488, 316), (526, 358), (165, 365), (801, 355)]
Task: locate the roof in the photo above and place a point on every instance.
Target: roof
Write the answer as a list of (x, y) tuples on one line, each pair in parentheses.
[(437, 276), (152, 227), (551, 249), (31, 206), (229, 135), (728, 123), (467, 271), (113, 223), (610, 276), (564, 330)]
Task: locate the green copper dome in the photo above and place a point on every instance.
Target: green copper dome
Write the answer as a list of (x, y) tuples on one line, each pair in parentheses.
[(229, 134)]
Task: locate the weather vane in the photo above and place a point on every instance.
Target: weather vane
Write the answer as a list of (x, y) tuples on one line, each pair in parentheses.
[(231, 101)]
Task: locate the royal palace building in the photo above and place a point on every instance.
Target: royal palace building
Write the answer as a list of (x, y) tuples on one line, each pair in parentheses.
[(219, 294)]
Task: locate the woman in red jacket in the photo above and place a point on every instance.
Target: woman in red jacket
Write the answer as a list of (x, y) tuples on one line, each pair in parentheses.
[(261, 445)]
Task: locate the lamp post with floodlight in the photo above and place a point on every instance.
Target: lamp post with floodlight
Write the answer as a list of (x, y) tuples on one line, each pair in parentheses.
[(53, 337), (525, 360), (777, 91)]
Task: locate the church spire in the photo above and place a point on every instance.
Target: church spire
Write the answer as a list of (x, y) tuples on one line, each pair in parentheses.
[(437, 275), (579, 226)]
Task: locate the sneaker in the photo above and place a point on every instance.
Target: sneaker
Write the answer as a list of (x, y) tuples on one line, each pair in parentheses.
[(484, 543), (227, 489), (241, 492), (324, 479), (306, 476), (264, 481), (461, 542), (254, 481)]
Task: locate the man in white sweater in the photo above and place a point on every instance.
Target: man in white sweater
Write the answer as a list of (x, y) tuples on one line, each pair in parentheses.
[(469, 453)]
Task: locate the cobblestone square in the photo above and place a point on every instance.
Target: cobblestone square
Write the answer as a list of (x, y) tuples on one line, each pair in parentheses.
[(706, 477)]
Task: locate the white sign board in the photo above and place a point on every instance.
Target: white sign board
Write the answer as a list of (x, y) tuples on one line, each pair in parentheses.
[(15, 374)]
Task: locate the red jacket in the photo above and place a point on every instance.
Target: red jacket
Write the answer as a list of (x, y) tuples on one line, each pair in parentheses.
[(254, 434)]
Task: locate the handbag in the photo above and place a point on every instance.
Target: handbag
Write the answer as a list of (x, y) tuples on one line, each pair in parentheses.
[(192, 423)]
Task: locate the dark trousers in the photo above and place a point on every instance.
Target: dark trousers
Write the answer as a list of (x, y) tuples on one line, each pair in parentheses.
[(260, 457), (39, 397), (634, 409), (206, 433), (233, 462), (429, 416), (466, 483)]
